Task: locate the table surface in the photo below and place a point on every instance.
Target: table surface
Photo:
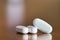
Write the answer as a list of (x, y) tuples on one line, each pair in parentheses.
[(9, 33), (55, 35)]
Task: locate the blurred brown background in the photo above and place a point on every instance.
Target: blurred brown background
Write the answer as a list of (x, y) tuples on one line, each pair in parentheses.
[(6, 32), (47, 10)]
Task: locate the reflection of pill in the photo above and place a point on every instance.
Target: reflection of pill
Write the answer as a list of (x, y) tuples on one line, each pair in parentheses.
[(32, 29), (45, 37), (22, 29), (42, 25), (25, 37), (34, 37)]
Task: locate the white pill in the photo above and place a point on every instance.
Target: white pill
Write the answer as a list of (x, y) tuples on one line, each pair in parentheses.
[(32, 29), (22, 29), (42, 25)]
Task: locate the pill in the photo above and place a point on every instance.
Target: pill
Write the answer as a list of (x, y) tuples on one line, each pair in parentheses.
[(42, 25), (32, 29), (22, 29)]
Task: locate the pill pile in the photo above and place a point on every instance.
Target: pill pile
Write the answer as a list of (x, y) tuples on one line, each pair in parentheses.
[(38, 24)]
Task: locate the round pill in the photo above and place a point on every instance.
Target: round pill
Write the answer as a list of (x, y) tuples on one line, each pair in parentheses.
[(22, 29), (42, 25), (32, 29)]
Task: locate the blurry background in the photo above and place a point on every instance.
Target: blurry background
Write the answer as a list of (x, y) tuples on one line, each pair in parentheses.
[(47, 10)]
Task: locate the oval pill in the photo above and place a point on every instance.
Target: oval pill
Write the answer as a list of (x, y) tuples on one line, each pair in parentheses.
[(42, 25), (22, 29)]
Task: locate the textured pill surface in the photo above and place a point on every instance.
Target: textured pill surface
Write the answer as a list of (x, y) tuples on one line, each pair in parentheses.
[(32, 29), (22, 29), (42, 25)]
